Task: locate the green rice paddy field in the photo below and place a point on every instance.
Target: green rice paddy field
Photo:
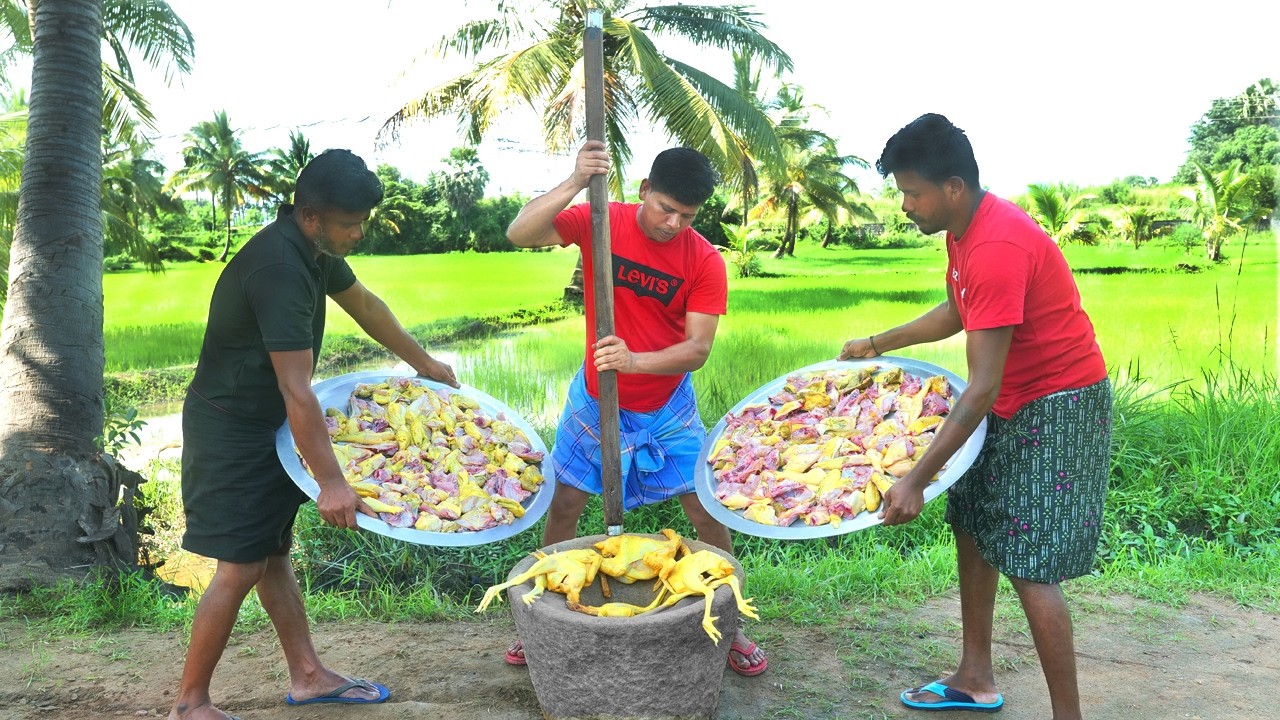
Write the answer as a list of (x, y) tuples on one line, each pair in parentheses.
[(1162, 315)]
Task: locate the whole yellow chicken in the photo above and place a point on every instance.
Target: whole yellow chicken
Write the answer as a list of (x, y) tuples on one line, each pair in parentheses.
[(701, 573), (565, 572), (614, 609), (628, 558)]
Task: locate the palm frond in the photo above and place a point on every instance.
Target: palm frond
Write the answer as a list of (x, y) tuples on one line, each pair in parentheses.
[(473, 38), (480, 96), (152, 28), (123, 105), (728, 27)]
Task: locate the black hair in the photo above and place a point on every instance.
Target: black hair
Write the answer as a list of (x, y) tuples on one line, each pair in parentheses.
[(932, 147), (685, 174), (337, 179)]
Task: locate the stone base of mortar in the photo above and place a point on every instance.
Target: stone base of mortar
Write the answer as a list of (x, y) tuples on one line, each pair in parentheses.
[(658, 666)]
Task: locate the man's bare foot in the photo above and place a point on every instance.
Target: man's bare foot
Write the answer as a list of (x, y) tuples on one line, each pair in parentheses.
[(204, 711), (745, 657), (334, 686), (985, 696), (515, 654)]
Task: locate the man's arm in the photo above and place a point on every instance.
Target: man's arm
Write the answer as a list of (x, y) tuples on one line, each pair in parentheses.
[(376, 319), (535, 225), (986, 351), (939, 323), (337, 503), (611, 353)]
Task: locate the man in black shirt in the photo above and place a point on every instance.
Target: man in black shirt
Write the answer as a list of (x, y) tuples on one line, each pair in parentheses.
[(266, 324)]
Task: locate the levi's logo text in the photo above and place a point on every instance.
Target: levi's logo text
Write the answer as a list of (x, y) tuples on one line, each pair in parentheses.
[(645, 281)]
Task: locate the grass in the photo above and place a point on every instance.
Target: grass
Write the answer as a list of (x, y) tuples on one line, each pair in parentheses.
[(148, 325), (1195, 495), (1153, 320)]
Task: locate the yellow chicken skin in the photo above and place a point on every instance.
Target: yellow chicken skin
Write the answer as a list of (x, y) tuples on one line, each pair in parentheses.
[(613, 609), (684, 577), (565, 572), (628, 558)]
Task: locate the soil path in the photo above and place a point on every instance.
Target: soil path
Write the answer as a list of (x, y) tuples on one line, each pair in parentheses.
[(1207, 660)]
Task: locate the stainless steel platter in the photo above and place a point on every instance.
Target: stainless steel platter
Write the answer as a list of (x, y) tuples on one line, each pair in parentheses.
[(336, 391), (705, 482)]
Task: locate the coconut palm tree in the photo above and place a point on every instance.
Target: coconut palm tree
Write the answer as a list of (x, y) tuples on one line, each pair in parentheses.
[(64, 506), (52, 331), (1136, 222), (1220, 205), (283, 166), (530, 55), (1059, 209), (537, 62), (747, 72), (215, 161), (812, 175), (462, 186), (61, 503)]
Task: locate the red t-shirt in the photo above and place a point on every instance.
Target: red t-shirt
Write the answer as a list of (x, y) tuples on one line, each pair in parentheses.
[(1005, 271), (654, 285)]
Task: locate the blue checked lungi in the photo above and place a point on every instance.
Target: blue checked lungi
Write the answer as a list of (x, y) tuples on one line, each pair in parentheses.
[(659, 449)]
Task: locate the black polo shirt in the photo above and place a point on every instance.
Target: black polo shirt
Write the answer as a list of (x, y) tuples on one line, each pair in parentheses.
[(269, 298)]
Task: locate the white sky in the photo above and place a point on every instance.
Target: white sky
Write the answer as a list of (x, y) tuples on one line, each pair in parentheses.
[(1081, 92)]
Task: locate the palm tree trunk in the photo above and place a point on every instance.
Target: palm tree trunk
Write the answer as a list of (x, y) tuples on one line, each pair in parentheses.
[(59, 496), (788, 246), (226, 245), (576, 289)]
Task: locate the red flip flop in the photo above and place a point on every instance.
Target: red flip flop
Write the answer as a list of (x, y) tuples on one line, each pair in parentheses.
[(512, 658), (746, 669)]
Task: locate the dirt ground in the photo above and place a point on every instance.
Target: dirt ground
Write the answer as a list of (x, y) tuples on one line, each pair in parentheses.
[(1207, 660)]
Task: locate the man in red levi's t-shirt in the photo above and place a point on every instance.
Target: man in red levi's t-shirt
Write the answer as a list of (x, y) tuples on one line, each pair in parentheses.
[(669, 291), (1031, 507)]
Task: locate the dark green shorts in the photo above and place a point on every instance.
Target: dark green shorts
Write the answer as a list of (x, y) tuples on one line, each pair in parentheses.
[(238, 500), (1033, 501)]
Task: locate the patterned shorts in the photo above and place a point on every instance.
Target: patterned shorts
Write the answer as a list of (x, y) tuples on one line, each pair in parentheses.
[(659, 449), (1033, 500)]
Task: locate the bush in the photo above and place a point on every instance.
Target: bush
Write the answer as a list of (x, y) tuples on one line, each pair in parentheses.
[(139, 389), (711, 215), (740, 246), (1186, 236), (1117, 193), (178, 253), (1095, 229), (492, 216), (117, 263)]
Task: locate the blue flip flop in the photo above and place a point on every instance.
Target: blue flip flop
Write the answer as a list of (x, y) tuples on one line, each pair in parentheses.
[(335, 696), (954, 699)]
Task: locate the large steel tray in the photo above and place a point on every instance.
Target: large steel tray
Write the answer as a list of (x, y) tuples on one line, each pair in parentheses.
[(705, 482), (335, 392)]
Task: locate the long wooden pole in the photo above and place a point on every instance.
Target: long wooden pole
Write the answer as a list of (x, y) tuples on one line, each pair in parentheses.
[(602, 274)]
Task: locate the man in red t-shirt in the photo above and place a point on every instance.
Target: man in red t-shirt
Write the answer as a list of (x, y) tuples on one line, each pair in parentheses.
[(669, 291), (1031, 507)]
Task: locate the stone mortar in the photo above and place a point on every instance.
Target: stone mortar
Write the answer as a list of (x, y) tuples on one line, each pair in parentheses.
[(660, 665)]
